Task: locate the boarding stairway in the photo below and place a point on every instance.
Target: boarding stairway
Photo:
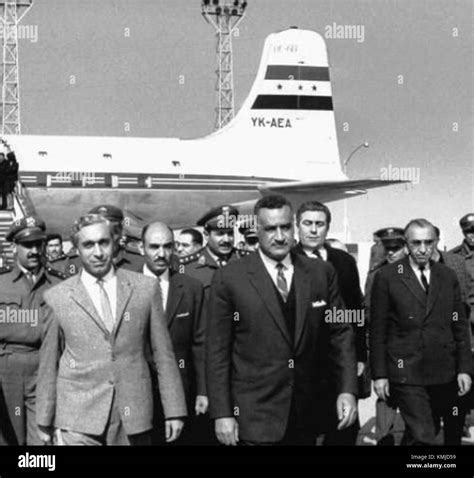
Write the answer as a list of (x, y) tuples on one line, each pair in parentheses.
[(21, 206)]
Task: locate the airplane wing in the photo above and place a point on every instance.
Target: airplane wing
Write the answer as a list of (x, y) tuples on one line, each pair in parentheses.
[(325, 191)]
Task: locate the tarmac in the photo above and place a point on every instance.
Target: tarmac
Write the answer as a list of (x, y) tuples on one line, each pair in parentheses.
[(367, 422)]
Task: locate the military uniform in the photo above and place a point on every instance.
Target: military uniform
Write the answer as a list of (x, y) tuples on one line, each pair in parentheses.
[(129, 260), (21, 329), (202, 265), (61, 264), (465, 252)]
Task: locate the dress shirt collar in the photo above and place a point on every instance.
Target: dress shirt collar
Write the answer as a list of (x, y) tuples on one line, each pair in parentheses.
[(89, 279), (272, 263), (416, 267), (165, 276)]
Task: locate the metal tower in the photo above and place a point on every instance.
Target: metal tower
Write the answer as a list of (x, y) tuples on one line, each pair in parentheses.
[(224, 17), (12, 11)]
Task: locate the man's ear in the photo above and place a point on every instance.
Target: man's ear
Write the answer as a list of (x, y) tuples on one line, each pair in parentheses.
[(141, 248)]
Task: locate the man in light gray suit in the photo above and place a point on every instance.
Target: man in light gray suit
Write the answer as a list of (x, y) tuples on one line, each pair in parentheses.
[(94, 385)]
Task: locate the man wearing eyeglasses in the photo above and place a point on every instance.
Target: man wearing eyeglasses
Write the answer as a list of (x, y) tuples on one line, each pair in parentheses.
[(419, 340)]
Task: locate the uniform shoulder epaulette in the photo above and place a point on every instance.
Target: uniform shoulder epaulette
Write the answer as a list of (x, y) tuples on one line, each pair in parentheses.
[(197, 256), (5, 269), (56, 273), (60, 258)]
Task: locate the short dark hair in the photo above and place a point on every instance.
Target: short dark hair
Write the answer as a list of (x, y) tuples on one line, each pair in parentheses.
[(273, 201), (195, 234), (424, 223), (53, 237), (313, 206)]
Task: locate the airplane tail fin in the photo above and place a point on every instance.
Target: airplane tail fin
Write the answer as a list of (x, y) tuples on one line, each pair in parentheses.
[(290, 107)]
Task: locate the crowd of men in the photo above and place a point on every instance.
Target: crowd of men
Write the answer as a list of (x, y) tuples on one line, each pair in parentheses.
[(191, 341)]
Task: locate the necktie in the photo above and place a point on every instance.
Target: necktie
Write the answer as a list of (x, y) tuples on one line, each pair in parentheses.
[(317, 254), (282, 285), (163, 301), (106, 309), (31, 278), (424, 280)]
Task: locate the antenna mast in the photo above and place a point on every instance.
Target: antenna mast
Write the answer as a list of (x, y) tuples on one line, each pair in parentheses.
[(224, 16)]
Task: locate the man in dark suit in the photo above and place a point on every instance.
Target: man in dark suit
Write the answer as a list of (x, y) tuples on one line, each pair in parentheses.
[(393, 242), (270, 313), (94, 384), (420, 350), (183, 301), (313, 220)]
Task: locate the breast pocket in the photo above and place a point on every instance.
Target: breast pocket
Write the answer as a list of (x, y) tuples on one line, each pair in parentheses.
[(11, 301)]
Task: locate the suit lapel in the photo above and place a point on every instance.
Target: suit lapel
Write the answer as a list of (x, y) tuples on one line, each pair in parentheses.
[(124, 292), (302, 284), (175, 295), (80, 295), (263, 283), (434, 288), (411, 282)]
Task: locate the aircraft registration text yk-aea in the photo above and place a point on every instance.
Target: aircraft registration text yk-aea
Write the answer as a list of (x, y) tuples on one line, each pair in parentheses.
[(272, 123)]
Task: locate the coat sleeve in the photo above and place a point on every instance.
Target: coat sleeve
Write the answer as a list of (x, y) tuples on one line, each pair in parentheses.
[(219, 348), (461, 332), (50, 353), (342, 351), (379, 313), (199, 339), (169, 379), (360, 329)]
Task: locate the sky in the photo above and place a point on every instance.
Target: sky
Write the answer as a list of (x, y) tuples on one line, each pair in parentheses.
[(98, 65)]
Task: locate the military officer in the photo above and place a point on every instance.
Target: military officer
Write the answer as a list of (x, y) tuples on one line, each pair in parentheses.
[(250, 236), (55, 257), (21, 300), (218, 224), (466, 251)]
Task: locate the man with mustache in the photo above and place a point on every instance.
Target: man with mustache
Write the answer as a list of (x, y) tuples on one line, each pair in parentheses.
[(21, 301), (268, 319), (183, 303), (419, 340), (218, 226)]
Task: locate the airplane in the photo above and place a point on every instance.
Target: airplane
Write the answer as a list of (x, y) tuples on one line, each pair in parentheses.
[(282, 140)]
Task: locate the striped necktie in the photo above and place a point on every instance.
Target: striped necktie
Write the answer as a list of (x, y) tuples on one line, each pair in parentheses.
[(107, 316), (282, 285)]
